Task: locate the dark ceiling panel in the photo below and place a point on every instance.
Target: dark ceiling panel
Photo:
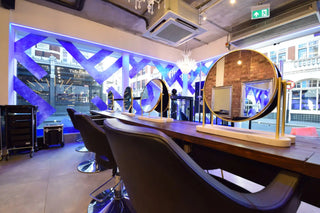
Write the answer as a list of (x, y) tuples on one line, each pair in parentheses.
[(73, 4)]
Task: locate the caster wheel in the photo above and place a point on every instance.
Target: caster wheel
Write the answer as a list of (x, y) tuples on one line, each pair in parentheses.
[(31, 154), (7, 157), (62, 144)]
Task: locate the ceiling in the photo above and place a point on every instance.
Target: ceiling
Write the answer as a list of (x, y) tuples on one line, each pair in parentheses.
[(223, 18)]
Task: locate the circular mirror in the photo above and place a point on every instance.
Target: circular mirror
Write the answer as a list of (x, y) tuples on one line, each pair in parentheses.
[(151, 96), (110, 100), (242, 85), (127, 98)]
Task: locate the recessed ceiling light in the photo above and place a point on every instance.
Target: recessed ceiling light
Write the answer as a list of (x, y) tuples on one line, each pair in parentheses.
[(232, 1)]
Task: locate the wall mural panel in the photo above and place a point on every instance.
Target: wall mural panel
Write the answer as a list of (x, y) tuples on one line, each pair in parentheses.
[(44, 109), (98, 102), (90, 64), (136, 66), (24, 44)]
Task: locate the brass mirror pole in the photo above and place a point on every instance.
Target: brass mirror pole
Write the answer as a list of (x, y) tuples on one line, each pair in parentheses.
[(282, 86), (203, 108), (278, 107), (161, 97), (169, 106), (284, 106), (141, 103)]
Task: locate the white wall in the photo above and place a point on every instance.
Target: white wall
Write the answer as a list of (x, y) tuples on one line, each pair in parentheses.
[(4, 38), (210, 50)]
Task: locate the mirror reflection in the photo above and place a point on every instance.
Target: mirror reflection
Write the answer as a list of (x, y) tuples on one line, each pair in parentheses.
[(151, 96), (241, 86), (127, 98), (110, 100)]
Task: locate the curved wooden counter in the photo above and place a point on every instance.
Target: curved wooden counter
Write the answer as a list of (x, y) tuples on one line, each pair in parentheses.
[(302, 157)]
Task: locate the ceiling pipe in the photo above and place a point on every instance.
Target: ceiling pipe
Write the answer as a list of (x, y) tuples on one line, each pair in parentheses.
[(207, 8)]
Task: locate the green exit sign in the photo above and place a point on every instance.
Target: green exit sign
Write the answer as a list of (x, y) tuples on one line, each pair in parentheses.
[(261, 11)]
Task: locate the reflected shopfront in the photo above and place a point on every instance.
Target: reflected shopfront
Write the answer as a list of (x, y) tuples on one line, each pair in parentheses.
[(73, 87)]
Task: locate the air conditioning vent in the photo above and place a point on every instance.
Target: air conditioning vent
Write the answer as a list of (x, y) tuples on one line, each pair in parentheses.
[(172, 27), (300, 18)]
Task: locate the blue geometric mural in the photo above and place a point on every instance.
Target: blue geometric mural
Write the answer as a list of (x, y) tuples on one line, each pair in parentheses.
[(137, 66), (21, 46), (44, 109), (164, 72), (89, 64), (99, 103)]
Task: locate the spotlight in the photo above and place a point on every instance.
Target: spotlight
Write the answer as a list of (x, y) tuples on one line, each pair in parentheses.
[(232, 1), (203, 16), (239, 62)]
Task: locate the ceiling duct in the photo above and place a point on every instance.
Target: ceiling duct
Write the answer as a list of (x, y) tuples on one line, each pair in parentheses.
[(297, 19), (174, 23)]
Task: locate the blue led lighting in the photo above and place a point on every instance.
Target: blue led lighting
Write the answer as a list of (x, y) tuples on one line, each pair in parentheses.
[(99, 103), (89, 64), (74, 39), (44, 109), (21, 46)]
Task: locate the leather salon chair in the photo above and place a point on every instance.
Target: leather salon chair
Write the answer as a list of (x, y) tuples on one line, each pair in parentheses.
[(95, 141), (98, 119), (160, 177), (71, 113)]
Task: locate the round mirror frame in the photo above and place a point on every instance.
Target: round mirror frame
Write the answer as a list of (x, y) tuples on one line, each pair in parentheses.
[(164, 91), (273, 97), (131, 98)]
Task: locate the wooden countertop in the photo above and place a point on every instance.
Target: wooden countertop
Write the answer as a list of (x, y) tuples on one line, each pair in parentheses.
[(302, 157)]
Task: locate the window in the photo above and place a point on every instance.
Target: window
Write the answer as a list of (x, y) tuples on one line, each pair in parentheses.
[(313, 49), (273, 56), (295, 100), (308, 99), (64, 56), (43, 46), (143, 83), (65, 81), (306, 95), (302, 51), (282, 55)]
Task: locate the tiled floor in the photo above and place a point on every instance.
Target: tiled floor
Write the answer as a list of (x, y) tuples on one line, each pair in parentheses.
[(50, 183)]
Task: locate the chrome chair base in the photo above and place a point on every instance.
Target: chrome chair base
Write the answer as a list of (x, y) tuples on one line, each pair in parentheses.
[(90, 166), (96, 206), (112, 200), (111, 204), (82, 148)]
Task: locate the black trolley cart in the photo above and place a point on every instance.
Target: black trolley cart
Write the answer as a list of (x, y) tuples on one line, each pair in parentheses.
[(18, 128)]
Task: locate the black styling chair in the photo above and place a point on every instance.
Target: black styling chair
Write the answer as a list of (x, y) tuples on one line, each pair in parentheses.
[(160, 177), (98, 119), (71, 113), (95, 141)]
